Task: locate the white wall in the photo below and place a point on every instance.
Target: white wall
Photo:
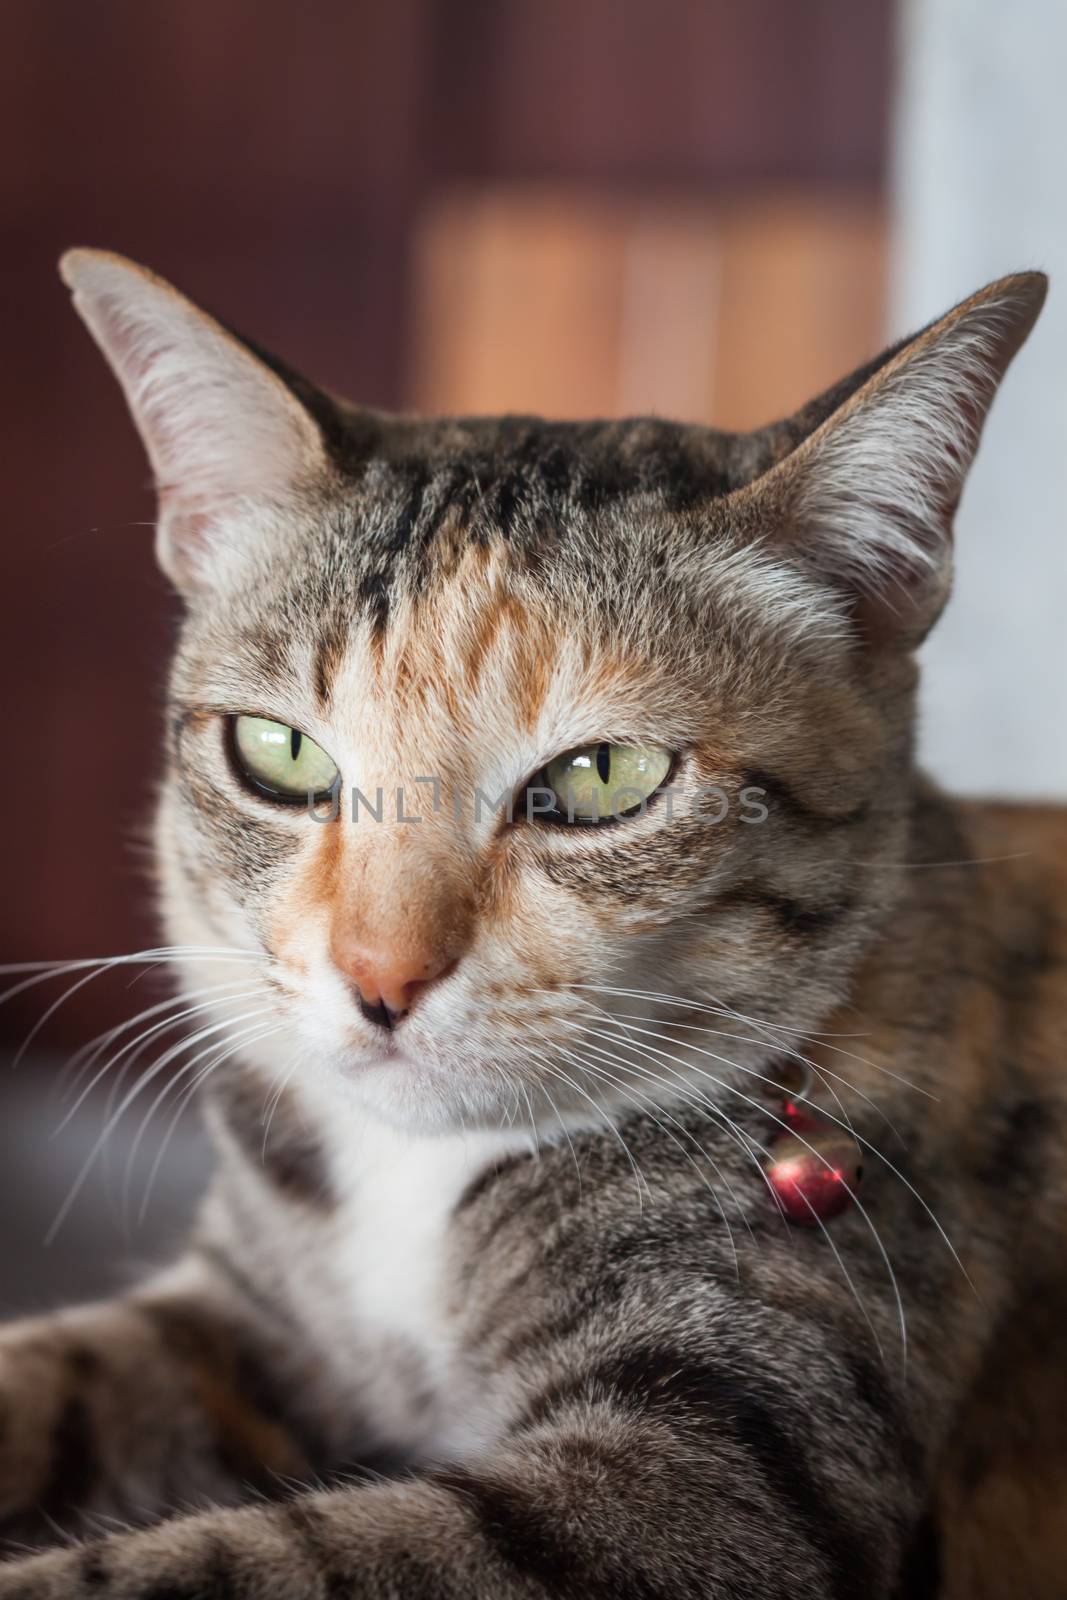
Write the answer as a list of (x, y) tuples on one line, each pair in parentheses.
[(980, 190)]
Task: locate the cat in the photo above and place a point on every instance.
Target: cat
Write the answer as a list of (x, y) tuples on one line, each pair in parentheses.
[(493, 1293)]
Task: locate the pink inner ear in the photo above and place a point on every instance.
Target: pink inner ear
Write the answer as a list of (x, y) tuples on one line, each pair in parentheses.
[(217, 424), (186, 542), (874, 489)]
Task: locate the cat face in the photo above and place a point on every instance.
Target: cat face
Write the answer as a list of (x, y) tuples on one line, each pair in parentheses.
[(542, 766)]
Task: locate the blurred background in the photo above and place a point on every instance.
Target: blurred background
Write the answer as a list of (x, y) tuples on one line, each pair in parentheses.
[(577, 207)]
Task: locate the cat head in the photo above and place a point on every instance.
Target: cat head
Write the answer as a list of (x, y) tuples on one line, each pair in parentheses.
[(541, 765)]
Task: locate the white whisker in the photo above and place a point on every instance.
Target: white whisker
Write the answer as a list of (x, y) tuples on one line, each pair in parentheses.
[(112, 1122), (612, 1060), (781, 1123), (648, 1108), (566, 1133), (136, 1045), (169, 1087), (608, 1122), (824, 1075), (84, 1057), (533, 1119), (830, 1117), (247, 1037), (727, 1013)]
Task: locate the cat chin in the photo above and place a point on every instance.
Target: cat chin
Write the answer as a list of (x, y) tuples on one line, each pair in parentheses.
[(410, 1094), (410, 1099)]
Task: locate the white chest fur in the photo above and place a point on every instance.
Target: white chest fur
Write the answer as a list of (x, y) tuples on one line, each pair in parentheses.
[(391, 1276)]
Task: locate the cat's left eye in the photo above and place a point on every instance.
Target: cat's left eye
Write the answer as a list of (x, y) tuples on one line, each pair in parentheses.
[(279, 761), (603, 782)]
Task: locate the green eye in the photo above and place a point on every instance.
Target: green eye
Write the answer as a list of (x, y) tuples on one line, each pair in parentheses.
[(280, 761), (604, 782)]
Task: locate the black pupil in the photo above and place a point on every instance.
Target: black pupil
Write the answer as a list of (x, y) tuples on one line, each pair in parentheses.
[(295, 741), (603, 762)]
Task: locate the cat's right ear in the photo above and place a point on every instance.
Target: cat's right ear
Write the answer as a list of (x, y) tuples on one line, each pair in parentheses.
[(221, 429)]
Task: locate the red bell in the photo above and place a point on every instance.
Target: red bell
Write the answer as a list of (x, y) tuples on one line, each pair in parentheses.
[(813, 1169)]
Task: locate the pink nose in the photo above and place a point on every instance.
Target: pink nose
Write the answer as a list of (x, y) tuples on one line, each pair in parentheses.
[(388, 981)]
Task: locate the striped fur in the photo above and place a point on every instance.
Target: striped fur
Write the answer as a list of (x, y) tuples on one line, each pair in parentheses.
[(501, 1306)]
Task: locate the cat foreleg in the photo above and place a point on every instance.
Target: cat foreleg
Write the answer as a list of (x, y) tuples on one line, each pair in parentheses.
[(134, 1408), (607, 1502)]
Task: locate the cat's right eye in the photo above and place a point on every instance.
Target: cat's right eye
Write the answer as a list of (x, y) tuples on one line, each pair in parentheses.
[(280, 762)]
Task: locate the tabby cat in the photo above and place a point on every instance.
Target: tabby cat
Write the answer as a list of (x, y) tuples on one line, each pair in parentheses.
[(490, 1296)]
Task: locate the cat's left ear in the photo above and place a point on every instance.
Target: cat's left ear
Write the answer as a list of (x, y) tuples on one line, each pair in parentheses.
[(221, 429), (867, 500)]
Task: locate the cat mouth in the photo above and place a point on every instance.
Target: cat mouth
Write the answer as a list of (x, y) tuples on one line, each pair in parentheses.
[(375, 1052)]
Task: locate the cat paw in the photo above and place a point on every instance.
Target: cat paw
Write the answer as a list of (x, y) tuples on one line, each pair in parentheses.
[(186, 1558), (53, 1576), (28, 1410)]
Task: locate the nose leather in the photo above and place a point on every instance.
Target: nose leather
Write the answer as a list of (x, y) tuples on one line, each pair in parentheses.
[(388, 980)]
